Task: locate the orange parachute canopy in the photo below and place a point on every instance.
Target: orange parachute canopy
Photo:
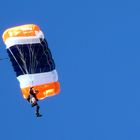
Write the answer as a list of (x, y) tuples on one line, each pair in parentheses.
[(32, 60)]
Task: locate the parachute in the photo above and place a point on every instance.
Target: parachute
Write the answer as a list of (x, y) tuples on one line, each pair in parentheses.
[(32, 60)]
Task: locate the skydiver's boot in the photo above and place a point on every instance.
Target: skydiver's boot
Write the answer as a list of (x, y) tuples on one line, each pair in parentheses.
[(38, 115)]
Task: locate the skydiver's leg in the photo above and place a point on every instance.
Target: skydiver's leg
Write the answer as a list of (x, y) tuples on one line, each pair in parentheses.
[(37, 111)]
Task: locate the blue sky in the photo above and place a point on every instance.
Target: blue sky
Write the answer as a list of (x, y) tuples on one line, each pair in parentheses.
[(96, 49)]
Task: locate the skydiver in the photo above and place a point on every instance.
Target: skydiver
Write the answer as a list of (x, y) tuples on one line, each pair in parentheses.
[(32, 98)]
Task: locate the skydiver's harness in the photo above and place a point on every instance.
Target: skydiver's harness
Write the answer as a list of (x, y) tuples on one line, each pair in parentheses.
[(32, 98)]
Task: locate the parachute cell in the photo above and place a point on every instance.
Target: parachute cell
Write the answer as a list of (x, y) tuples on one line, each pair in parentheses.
[(32, 60)]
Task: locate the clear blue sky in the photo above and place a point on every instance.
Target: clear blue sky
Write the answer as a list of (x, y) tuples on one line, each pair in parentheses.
[(96, 47)]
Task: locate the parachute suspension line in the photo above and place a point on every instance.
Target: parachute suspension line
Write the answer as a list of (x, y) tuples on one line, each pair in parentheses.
[(37, 63), (16, 60), (35, 58), (48, 54), (38, 60), (22, 58), (44, 53), (34, 54), (30, 58), (30, 50)]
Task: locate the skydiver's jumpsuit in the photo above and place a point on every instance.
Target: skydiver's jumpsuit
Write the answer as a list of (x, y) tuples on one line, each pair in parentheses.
[(33, 100)]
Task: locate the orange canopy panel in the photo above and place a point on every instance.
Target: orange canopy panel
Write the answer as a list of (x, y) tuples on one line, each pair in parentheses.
[(21, 31), (45, 90)]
